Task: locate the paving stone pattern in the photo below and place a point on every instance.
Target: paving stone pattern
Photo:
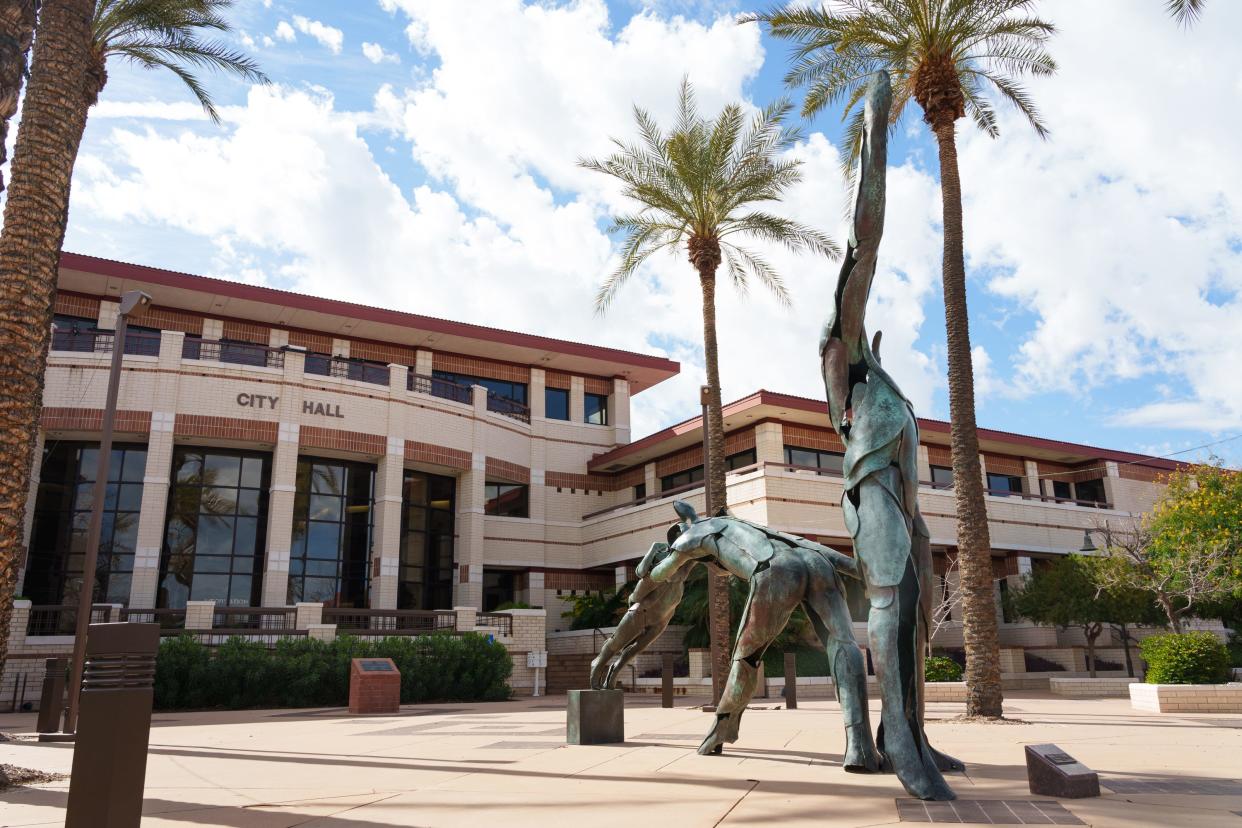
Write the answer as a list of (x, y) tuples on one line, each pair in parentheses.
[(987, 812)]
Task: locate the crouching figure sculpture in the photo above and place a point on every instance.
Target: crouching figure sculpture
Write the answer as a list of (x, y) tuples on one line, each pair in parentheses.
[(783, 571)]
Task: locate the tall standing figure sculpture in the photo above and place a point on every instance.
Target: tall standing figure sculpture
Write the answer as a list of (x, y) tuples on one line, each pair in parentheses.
[(877, 425)]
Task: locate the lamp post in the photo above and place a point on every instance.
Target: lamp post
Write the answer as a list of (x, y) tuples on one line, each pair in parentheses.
[(130, 301)]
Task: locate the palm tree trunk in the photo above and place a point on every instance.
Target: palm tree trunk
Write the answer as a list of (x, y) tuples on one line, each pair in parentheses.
[(63, 85), (17, 24), (983, 678), (719, 624)]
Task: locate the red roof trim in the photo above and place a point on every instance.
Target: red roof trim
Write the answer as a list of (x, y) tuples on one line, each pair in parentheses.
[(764, 397), (254, 293)]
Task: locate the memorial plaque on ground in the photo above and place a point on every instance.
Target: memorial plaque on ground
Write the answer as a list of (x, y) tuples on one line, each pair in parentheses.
[(1051, 771), (374, 686)]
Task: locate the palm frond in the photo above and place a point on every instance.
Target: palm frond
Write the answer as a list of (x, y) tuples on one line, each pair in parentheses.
[(1185, 12)]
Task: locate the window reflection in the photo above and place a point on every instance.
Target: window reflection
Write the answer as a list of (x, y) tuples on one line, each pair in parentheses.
[(333, 522)]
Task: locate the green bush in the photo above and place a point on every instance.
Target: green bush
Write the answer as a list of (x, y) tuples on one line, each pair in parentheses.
[(302, 672), (939, 668), (1185, 658)]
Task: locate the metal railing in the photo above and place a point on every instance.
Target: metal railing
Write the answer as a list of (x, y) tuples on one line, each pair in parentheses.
[(355, 621), (171, 621), (346, 368), (500, 623), (236, 353), (61, 619), (667, 493), (268, 638), (437, 387), (245, 619), (508, 407), (137, 343)]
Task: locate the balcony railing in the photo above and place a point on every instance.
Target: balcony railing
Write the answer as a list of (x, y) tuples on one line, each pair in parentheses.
[(437, 387), (346, 368), (137, 343), (61, 619), (390, 622), (508, 407), (498, 623), (236, 353), (273, 619), (171, 621)]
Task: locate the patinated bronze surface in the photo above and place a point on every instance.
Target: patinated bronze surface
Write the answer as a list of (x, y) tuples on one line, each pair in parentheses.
[(783, 571), (877, 425), (651, 609)]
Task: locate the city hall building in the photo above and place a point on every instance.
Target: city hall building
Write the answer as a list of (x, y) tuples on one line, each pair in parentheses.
[(274, 449)]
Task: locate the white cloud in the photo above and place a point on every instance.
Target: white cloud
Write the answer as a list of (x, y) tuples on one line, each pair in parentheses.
[(327, 36), (376, 54), (285, 32), (1120, 233), (268, 42)]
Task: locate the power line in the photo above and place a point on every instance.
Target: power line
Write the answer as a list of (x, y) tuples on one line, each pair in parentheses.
[(1145, 459)]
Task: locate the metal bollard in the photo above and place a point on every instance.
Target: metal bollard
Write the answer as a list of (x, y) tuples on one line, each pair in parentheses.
[(791, 682), (666, 680), (52, 699), (114, 726)]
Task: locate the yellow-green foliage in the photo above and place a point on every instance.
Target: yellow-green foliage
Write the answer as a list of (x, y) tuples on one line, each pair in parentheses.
[(1201, 512), (1185, 658)]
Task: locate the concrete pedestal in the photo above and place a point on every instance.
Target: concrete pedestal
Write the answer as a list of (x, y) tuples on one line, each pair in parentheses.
[(1052, 772), (596, 717)]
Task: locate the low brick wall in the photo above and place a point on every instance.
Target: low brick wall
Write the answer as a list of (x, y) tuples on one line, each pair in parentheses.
[(1118, 688), (568, 671), (1187, 698)]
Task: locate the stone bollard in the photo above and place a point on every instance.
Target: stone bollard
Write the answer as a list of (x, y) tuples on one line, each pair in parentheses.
[(52, 699), (666, 680), (791, 681)]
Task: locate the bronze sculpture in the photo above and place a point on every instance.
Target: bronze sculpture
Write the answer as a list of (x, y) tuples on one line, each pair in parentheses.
[(878, 427), (783, 571)]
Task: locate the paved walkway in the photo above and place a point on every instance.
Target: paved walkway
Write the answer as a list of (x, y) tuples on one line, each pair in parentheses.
[(506, 765)]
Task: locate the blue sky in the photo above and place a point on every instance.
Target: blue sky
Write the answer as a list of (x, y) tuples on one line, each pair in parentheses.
[(416, 155)]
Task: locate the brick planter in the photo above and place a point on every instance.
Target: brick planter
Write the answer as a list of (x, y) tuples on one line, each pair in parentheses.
[(1102, 687), (944, 691), (1187, 698)]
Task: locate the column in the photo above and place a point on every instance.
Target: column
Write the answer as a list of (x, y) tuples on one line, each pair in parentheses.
[(650, 480), (1032, 478), (535, 584), (389, 499), (620, 573), (32, 497), (770, 443), (423, 362), (144, 586), (983, 472), (1112, 477), (924, 463), (619, 410), (340, 348), (577, 404), (468, 584), (283, 485), (535, 397)]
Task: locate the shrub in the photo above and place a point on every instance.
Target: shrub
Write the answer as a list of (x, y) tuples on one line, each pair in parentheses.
[(1185, 658), (301, 672), (939, 668)]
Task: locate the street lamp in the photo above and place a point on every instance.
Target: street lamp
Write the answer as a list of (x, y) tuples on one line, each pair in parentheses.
[(1088, 545), (130, 301)]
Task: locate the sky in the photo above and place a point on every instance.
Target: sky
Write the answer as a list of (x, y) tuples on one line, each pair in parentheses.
[(422, 155)]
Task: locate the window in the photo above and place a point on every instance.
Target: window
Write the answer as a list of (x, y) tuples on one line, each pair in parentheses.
[(1061, 490), (556, 403), (596, 408), (333, 514), (142, 340), (942, 477), (1091, 490), (363, 370), (506, 499), (215, 531), (515, 391), (192, 347), (831, 462), (425, 578), (73, 333), (499, 587), (640, 491), (682, 478), (1004, 485), (740, 460), (62, 515)]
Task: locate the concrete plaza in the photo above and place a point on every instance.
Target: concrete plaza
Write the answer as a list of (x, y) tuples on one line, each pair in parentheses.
[(506, 765)]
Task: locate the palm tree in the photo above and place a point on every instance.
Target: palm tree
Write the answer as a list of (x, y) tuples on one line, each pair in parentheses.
[(699, 186), (946, 55), (1185, 12), (76, 39), (17, 24)]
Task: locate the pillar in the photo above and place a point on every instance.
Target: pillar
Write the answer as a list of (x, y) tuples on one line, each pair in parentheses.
[(650, 480), (983, 472), (423, 361), (619, 410), (1032, 478), (468, 584), (32, 497), (577, 403), (386, 549), (620, 575), (535, 396), (1112, 476), (283, 485), (924, 463), (770, 443), (340, 348), (156, 478)]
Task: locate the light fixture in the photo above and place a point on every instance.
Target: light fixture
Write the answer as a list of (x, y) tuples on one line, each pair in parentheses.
[(1087, 544)]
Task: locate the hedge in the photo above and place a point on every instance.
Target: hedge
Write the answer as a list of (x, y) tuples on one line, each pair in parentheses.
[(941, 668), (301, 672), (1185, 658)]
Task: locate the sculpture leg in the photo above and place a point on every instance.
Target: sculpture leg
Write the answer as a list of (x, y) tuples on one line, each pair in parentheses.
[(631, 652), (629, 629), (774, 592), (892, 628), (922, 554), (830, 615)]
